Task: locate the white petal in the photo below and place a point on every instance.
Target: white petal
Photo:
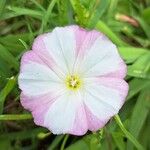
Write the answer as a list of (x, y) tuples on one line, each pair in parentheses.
[(36, 79), (61, 116), (101, 59), (98, 107), (61, 45), (103, 100)]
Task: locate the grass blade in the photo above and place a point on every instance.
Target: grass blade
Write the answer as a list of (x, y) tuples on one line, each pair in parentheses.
[(98, 12), (130, 54), (138, 117), (8, 57), (101, 26), (7, 89), (15, 117), (128, 134)]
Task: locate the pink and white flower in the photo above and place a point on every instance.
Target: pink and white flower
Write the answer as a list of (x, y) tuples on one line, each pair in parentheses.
[(72, 80)]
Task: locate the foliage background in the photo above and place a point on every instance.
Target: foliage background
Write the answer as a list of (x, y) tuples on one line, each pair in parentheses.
[(22, 20)]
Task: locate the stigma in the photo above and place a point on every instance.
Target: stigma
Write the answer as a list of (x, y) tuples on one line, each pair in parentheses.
[(73, 82)]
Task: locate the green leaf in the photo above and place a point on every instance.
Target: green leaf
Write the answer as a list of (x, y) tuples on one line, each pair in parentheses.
[(130, 54), (18, 11), (119, 140), (55, 142), (47, 15), (7, 89), (24, 44), (141, 67), (22, 134), (5, 144), (136, 85), (15, 117), (146, 14), (101, 26), (2, 6), (79, 145), (144, 26), (99, 8), (38, 5), (5, 71), (8, 57), (128, 134), (13, 38), (64, 142), (82, 14), (139, 114), (144, 135), (89, 142)]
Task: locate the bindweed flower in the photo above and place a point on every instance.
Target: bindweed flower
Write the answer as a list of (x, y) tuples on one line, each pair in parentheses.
[(72, 80)]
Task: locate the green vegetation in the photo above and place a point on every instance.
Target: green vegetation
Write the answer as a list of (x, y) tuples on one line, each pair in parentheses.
[(125, 22)]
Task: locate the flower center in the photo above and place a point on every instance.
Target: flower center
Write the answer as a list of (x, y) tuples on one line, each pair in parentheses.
[(73, 82)]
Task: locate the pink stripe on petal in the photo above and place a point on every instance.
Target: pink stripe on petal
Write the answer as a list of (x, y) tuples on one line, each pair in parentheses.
[(94, 123), (115, 83), (84, 40), (40, 55), (119, 73), (41, 50), (98, 56), (28, 57), (67, 115), (80, 35), (38, 105), (80, 126), (103, 99)]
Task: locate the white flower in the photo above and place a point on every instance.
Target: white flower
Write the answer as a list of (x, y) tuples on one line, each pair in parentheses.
[(72, 80)]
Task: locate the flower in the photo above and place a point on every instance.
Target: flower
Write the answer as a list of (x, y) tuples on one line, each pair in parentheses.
[(72, 80)]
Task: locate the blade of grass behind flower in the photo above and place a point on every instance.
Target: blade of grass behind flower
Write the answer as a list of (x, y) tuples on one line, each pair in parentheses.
[(144, 26), (141, 67), (139, 114), (136, 85), (99, 8), (22, 134), (47, 15), (2, 6), (130, 54), (101, 26), (7, 89), (26, 11), (8, 57)]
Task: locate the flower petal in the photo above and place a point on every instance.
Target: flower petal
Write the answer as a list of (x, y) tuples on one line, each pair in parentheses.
[(39, 105), (59, 46), (37, 79), (102, 59), (64, 115), (84, 40), (40, 50), (103, 99), (72, 51)]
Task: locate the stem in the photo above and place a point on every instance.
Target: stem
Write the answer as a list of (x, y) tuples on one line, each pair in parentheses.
[(64, 142), (106, 30), (128, 134), (47, 15), (16, 117)]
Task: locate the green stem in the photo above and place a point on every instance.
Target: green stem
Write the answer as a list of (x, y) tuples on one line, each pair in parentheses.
[(128, 134), (107, 31), (5, 91), (64, 142), (16, 117), (47, 15)]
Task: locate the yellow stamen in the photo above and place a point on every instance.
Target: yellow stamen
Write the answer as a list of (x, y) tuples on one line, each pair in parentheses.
[(73, 82)]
